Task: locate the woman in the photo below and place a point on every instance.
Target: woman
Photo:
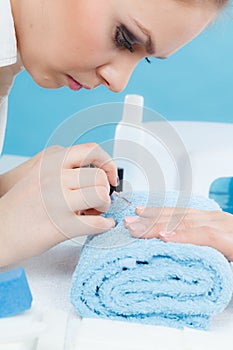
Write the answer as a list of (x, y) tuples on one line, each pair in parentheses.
[(83, 44)]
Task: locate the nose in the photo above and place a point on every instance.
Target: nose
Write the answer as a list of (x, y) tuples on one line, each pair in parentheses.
[(115, 75)]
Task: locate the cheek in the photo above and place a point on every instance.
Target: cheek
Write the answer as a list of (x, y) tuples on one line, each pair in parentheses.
[(84, 46)]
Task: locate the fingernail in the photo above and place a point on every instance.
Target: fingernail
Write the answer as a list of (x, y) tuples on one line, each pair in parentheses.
[(140, 208), (112, 222), (130, 219), (137, 227), (167, 233)]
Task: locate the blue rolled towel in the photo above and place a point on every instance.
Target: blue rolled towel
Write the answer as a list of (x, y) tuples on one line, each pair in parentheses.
[(122, 278)]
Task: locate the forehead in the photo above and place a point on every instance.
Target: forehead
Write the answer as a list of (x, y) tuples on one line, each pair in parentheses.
[(171, 23)]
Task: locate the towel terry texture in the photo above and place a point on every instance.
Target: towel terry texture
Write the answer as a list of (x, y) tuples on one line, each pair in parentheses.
[(121, 278)]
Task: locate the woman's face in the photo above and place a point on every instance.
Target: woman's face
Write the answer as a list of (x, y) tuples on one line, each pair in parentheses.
[(88, 42)]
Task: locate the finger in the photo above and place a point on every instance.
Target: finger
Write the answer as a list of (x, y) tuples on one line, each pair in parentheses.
[(89, 198), (84, 177), (168, 211), (184, 218), (86, 225), (204, 236), (151, 227), (91, 153), (144, 227)]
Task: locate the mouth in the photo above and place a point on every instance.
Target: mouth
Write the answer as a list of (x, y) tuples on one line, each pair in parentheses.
[(75, 85)]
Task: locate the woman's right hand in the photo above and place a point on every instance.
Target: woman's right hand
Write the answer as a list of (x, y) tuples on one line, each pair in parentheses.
[(41, 209)]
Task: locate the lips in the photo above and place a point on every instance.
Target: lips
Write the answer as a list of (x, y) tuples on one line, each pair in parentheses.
[(73, 84)]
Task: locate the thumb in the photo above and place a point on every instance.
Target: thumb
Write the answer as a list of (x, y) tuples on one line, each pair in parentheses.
[(87, 225)]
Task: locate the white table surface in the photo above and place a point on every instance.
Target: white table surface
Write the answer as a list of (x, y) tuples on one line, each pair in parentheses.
[(49, 277)]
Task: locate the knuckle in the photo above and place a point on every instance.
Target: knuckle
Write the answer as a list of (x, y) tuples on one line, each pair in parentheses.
[(91, 145), (103, 194), (152, 212), (213, 214), (153, 230), (101, 177), (54, 148), (224, 215), (49, 152), (209, 233), (66, 177), (188, 217), (37, 160), (154, 223), (90, 148), (187, 223), (98, 221)]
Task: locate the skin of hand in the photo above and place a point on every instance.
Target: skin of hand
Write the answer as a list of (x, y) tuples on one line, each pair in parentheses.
[(41, 208), (11, 177), (200, 227)]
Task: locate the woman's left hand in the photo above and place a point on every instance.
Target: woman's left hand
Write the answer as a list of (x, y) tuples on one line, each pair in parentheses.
[(200, 227), (11, 177)]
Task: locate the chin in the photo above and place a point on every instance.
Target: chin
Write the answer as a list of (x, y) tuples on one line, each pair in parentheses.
[(46, 82), (50, 85)]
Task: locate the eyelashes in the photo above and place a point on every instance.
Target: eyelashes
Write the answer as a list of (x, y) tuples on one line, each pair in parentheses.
[(124, 39), (148, 60)]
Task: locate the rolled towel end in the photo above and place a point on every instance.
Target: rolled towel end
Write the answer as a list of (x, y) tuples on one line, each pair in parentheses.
[(149, 281)]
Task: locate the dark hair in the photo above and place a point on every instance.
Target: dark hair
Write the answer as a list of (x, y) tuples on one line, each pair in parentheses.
[(221, 3)]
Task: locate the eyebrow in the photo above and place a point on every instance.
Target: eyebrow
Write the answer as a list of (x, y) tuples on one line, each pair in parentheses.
[(150, 44)]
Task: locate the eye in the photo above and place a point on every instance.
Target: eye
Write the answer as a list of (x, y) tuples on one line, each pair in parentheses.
[(124, 39)]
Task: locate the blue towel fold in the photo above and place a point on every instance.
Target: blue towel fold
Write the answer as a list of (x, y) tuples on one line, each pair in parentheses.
[(148, 281)]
